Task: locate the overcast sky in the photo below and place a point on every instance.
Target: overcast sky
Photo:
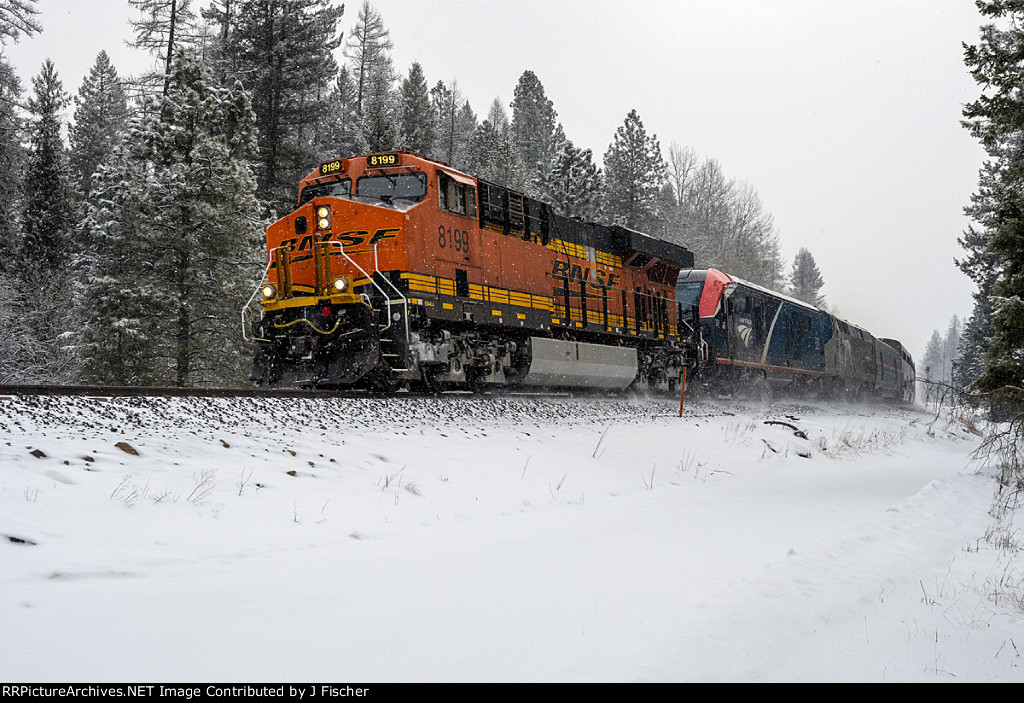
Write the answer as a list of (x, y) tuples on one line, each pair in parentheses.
[(844, 115)]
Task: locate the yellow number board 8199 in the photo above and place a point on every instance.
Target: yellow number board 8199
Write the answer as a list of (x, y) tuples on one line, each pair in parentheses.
[(378, 160), (329, 167)]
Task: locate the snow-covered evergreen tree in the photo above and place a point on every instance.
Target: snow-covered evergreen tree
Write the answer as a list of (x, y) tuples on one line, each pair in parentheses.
[(42, 263), (805, 279), (21, 359), (340, 132), (47, 215), (283, 50), (996, 119), (368, 47), (418, 124), (172, 225), (380, 122), (455, 124), (493, 154), (572, 183), (982, 265), (219, 51), (634, 173), (162, 27), (941, 354), (18, 17), (445, 101), (12, 159), (974, 342), (933, 361), (101, 113), (465, 127), (533, 123), (951, 347)]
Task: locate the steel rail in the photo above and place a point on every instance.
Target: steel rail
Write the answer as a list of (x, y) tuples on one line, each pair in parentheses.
[(178, 392), (9, 391)]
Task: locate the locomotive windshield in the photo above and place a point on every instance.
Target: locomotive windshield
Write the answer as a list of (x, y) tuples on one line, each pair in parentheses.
[(407, 187), (688, 294), (337, 189)]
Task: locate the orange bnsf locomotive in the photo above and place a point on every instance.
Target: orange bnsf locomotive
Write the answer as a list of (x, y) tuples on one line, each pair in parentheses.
[(398, 269)]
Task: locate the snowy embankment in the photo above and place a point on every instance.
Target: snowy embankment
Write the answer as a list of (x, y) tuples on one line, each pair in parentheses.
[(464, 539)]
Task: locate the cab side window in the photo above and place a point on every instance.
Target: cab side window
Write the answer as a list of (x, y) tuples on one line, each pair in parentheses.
[(456, 197)]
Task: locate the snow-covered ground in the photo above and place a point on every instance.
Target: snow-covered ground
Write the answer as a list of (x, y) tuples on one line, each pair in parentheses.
[(465, 539)]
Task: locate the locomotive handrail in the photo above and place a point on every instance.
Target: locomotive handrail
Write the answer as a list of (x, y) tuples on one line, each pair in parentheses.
[(387, 297), (246, 313), (247, 308), (405, 301)]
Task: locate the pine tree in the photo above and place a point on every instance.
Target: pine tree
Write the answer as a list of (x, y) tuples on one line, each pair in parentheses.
[(493, 155), (634, 173), (805, 280), (47, 217), (284, 57), (933, 360), (12, 158), (445, 103), (940, 356), (981, 264), (172, 225), (367, 47), (951, 346), (164, 26), (21, 359), (455, 125), (381, 117), (974, 343), (218, 49), (533, 122), (45, 255), (418, 128), (339, 133), (18, 17), (572, 183), (996, 119), (465, 126), (100, 115)]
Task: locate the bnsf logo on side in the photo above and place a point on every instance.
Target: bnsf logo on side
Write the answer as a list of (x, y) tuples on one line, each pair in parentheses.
[(574, 273), (347, 239)]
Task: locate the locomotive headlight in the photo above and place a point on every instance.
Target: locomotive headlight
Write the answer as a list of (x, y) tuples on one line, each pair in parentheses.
[(340, 284), (269, 292), (323, 217)]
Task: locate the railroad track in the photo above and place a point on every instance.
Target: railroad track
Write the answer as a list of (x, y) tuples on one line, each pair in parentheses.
[(176, 392)]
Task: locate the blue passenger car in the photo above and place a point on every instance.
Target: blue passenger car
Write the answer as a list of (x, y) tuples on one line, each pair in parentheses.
[(754, 336)]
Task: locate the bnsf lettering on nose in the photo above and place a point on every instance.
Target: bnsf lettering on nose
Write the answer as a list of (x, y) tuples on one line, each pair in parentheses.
[(576, 273), (348, 239)]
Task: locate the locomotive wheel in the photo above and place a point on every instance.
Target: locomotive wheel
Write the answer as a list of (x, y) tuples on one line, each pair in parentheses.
[(384, 381), (432, 379), (473, 381)]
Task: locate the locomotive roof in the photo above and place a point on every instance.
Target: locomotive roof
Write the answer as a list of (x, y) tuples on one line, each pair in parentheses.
[(625, 239)]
